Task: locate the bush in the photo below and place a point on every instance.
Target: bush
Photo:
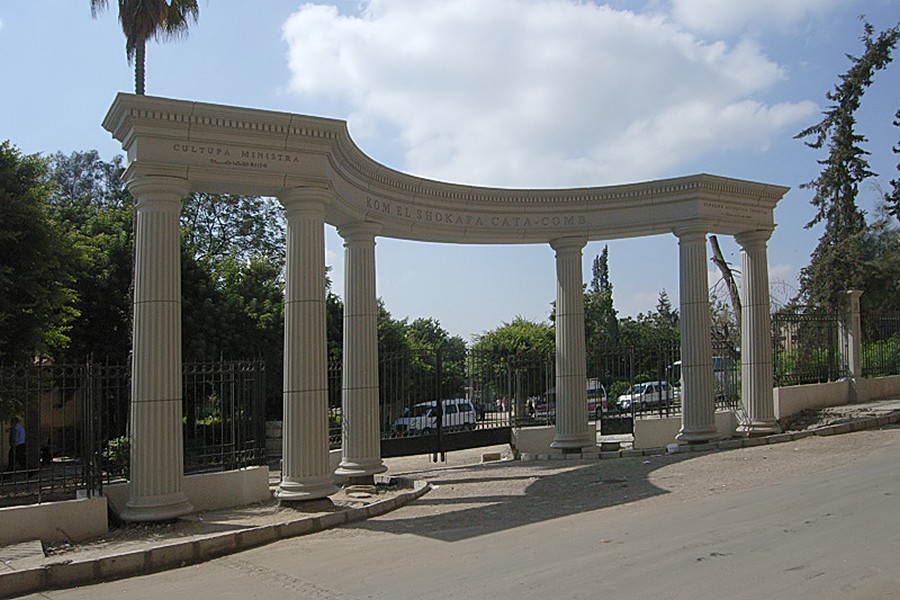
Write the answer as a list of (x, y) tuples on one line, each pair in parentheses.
[(116, 455)]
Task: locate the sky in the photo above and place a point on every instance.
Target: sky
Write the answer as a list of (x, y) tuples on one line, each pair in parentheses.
[(511, 93)]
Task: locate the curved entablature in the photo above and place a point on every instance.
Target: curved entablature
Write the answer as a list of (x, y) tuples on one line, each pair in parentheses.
[(238, 150)]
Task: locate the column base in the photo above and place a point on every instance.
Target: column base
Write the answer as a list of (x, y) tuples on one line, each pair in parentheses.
[(156, 508), (758, 429), (697, 435), (297, 491), (358, 468), (572, 441)]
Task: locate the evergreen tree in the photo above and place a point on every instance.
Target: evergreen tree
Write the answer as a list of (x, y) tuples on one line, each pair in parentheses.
[(892, 199), (600, 273), (837, 263)]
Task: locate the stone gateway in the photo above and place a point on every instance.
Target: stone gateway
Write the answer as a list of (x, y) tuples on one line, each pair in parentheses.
[(313, 167)]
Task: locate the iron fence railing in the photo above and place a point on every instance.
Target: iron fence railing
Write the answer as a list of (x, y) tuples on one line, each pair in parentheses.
[(807, 347), (50, 404), (881, 346), (224, 415), (76, 424)]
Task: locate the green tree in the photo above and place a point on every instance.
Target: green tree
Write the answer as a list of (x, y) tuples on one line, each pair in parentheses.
[(216, 226), (91, 203), (36, 294), (233, 261), (880, 250), (517, 337), (144, 20), (600, 272), (426, 338), (514, 362), (836, 264), (666, 319), (892, 199)]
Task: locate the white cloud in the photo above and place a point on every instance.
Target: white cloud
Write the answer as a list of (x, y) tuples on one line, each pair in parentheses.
[(535, 92), (720, 17)]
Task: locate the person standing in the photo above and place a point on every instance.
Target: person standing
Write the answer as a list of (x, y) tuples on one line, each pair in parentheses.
[(16, 458)]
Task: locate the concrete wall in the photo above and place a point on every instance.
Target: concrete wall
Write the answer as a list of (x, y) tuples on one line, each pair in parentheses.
[(67, 520), (210, 491), (790, 400), (878, 388), (534, 440), (658, 433)]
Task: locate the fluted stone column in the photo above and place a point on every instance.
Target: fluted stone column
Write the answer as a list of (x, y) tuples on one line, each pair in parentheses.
[(157, 447), (698, 418), (361, 454), (756, 336), (306, 470), (572, 432)]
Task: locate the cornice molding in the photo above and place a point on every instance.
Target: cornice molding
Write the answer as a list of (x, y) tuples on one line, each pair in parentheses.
[(242, 149)]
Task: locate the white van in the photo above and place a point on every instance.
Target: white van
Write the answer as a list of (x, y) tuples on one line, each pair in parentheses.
[(422, 418), (644, 395)]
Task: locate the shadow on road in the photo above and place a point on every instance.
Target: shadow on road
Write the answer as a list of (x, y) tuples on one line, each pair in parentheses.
[(483, 499)]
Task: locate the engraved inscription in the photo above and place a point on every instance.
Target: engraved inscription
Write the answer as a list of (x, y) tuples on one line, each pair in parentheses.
[(236, 157), (740, 213), (444, 217)]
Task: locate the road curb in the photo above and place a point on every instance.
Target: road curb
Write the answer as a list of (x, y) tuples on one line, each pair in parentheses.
[(728, 444), (72, 573)]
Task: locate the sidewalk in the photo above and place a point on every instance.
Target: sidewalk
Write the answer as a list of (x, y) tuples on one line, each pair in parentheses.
[(143, 548)]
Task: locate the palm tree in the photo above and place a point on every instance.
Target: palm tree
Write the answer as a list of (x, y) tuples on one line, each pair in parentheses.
[(145, 19)]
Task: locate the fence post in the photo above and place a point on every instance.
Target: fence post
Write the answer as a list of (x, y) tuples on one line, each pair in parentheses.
[(851, 342)]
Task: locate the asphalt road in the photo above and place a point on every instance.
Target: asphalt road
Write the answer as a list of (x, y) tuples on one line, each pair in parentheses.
[(816, 518)]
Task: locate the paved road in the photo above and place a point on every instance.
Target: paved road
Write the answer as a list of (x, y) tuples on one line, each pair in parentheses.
[(816, 518)]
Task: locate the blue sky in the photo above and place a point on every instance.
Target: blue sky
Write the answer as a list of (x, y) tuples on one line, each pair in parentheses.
[(517, 93)]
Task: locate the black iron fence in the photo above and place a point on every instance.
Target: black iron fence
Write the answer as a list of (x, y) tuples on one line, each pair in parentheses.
[(807, 347), (51, 407), (422, 391), (881, 346), (75, 419), (224, 415)]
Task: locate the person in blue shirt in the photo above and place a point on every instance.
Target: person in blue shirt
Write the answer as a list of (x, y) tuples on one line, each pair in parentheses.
[(16, 458)]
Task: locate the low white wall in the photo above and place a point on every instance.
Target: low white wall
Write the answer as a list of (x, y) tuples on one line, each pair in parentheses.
[(67, 520), (790, 400), (210, 491), (534, 440), (658, 433), (878, 388)]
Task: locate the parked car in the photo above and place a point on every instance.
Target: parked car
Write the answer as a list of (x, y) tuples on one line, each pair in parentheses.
[(644, 395), (725, 377), (422, 418), (597, 401)]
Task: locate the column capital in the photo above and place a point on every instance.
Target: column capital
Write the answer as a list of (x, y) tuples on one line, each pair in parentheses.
[(568, 244), (691, 233), (359, 231), (305, 199), (159, 191), (749, 239)]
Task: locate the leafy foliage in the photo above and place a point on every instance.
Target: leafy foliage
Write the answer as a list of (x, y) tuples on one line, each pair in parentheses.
[(144, 20), (90, 202), (517, 337), (36, 294)]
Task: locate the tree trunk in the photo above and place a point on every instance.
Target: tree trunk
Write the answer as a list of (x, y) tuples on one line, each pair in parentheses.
[(728, 276), (139, 69)]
